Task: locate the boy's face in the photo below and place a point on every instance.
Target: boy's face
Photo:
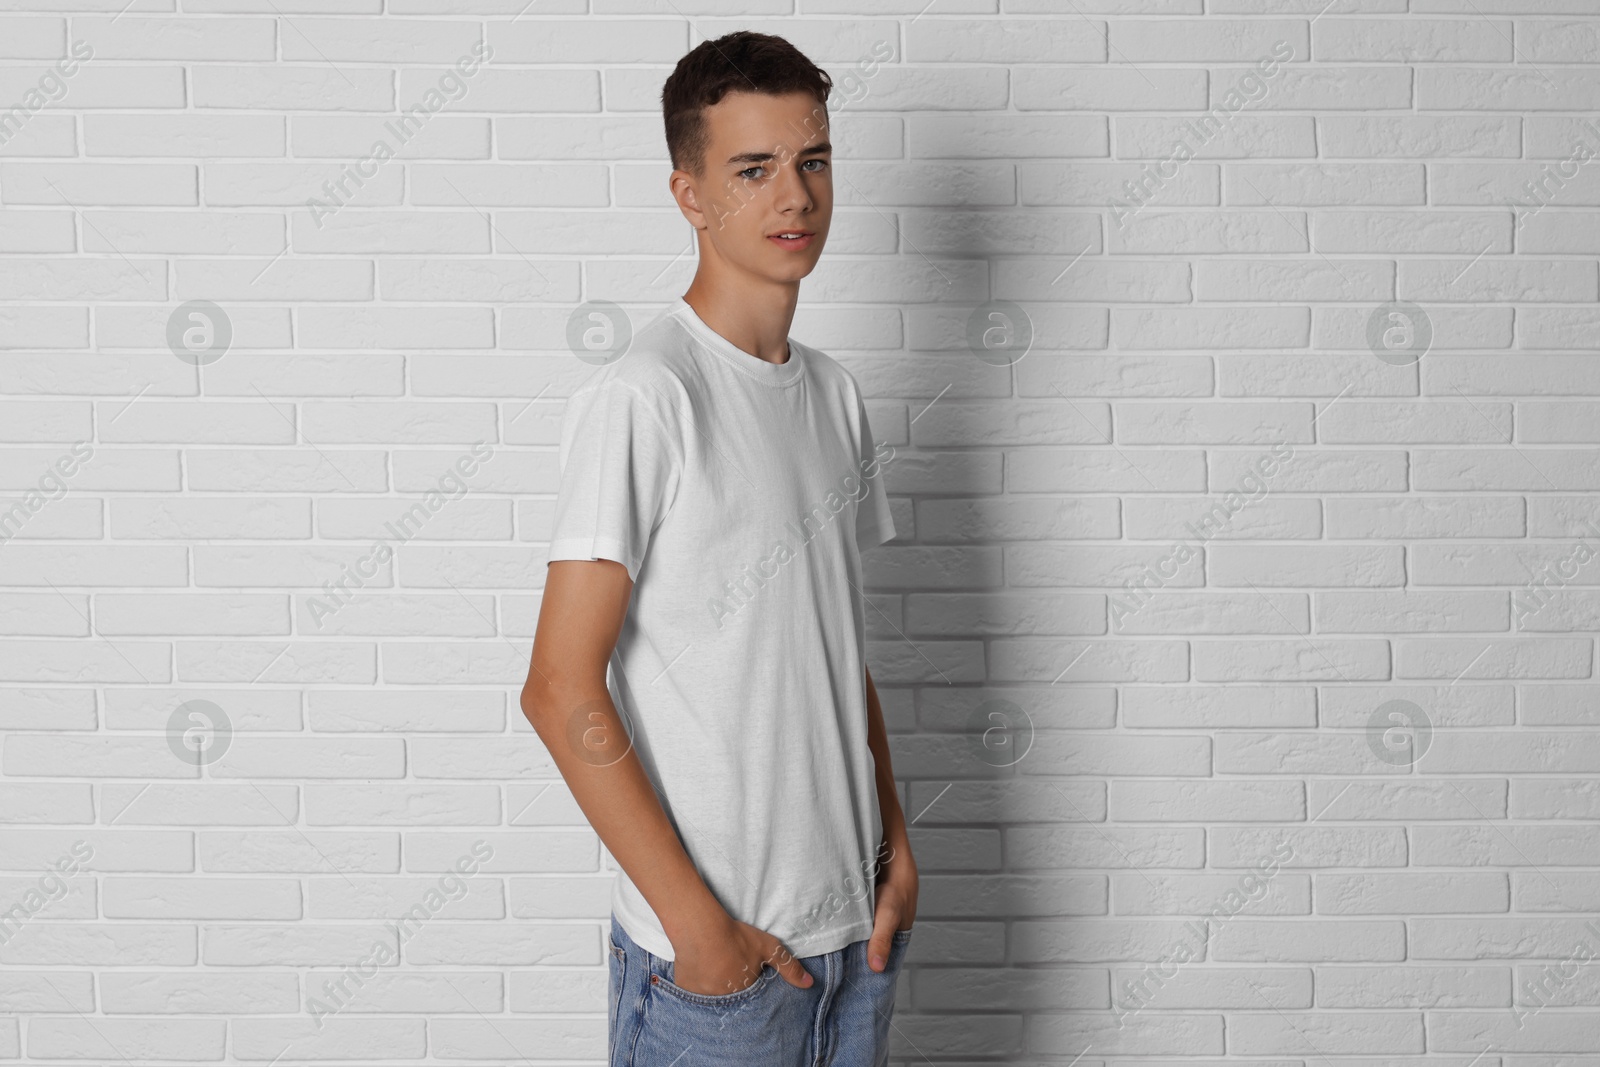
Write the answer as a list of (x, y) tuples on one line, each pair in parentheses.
[(767, 171)]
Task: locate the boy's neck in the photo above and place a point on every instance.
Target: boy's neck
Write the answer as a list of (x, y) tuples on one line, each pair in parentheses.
[(753, 318)]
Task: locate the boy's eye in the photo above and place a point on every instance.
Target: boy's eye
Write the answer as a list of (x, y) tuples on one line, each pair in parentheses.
[(750, 174)]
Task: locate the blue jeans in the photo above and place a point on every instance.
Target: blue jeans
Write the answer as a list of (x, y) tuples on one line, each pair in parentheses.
[(842, 1020)]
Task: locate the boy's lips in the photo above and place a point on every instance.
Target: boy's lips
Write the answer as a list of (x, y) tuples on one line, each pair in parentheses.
[(793, 239)]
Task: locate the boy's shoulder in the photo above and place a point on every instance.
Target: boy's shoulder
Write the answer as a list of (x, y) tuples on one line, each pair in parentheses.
[(658, 356)]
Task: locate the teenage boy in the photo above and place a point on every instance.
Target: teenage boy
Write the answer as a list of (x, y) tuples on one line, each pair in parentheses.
[(719, 482)]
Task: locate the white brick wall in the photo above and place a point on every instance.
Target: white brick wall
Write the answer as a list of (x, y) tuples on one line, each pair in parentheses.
[(1203, 692)]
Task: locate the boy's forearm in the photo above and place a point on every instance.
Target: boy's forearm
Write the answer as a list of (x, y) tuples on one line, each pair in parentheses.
[(616, 796), (895, 833)]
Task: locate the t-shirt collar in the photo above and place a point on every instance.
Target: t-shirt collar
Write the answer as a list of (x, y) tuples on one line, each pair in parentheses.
[(772, 373)]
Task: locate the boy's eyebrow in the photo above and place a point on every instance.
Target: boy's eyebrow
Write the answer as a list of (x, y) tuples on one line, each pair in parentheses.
[(821, 148)]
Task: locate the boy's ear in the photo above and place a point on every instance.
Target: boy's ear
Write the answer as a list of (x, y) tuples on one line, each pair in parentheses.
[(681, 185)]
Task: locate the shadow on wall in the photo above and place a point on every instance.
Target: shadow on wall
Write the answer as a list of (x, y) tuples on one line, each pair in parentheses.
[(985, 814)]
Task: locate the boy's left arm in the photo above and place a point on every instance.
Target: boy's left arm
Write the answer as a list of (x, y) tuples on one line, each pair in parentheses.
[(895, 905)]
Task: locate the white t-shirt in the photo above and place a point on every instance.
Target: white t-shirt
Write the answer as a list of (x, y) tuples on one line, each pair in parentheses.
[(739, 494)]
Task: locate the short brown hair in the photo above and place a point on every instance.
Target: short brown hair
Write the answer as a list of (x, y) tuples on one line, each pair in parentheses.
[(740, 62)]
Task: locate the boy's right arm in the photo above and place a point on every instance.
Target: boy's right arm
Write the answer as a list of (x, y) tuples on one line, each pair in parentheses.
[(567, 702)]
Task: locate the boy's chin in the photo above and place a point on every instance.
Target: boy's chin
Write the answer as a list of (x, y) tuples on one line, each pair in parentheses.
[(778, 273), (790, 266), (794, 271)]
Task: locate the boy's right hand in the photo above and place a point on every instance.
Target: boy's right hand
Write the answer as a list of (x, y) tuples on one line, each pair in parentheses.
[(728, 957)]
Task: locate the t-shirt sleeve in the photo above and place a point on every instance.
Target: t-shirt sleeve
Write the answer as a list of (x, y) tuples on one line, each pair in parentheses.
[(619, 470), (874, 523)]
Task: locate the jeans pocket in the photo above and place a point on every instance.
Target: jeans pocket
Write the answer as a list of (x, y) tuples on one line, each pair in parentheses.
[(769, 974), (759, 1024)]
